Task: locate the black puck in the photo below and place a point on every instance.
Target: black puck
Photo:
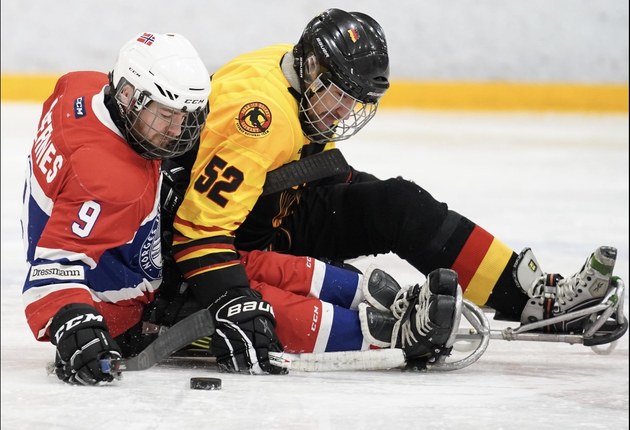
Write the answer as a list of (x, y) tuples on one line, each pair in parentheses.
[(205, 383)]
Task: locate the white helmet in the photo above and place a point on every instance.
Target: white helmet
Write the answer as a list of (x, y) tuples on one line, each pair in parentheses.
[(163, 68)]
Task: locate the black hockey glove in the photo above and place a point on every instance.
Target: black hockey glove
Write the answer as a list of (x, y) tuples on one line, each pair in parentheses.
[(245, 333), (175, 180), (82, 339)]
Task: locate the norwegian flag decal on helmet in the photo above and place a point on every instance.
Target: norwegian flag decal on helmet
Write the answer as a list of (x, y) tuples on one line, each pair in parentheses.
[(147, 39)]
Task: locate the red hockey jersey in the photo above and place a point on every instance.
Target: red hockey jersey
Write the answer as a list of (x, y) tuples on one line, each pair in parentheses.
[(90, 218)]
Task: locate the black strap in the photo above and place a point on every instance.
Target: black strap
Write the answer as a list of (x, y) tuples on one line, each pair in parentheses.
[(317, 166)]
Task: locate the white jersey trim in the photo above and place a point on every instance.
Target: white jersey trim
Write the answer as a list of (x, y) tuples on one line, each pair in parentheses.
[(101, 112), (325, 327)]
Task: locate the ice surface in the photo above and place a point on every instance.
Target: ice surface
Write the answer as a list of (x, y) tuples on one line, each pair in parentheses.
[(557, 183)]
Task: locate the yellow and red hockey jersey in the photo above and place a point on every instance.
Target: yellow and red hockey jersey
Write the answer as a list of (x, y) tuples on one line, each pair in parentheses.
[(253, 128)]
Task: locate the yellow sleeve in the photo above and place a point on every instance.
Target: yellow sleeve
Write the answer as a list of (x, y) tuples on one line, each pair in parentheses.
[(252, 128)]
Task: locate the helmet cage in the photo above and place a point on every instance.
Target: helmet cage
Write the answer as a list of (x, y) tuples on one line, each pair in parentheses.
[(137, 128), (347, 52), (330, 114)]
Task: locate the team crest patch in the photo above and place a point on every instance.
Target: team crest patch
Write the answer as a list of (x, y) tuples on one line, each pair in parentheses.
[(254, 119), (150, 258)]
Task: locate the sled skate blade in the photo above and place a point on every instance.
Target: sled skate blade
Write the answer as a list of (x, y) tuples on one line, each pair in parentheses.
[(611, 324), (472, 342), (457, 316), (605, 323)]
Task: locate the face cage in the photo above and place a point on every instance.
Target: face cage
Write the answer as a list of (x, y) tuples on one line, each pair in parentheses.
[(329, 114), (190, 129)]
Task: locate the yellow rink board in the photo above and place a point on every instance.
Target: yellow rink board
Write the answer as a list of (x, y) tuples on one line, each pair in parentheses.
[(491, 96)]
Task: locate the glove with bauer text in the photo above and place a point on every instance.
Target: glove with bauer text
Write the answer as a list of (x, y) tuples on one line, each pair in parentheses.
[(82, 339), (245, 333)]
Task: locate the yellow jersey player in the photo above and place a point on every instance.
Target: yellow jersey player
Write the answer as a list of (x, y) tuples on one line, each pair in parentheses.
[(287, 102)]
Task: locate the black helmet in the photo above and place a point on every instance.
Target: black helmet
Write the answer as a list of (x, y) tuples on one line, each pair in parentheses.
[(348, 50), (352, 46)]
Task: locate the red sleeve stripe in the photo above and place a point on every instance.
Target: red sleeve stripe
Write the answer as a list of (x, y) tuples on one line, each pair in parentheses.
[(189, 224), (204, 269), (180, 239), (181, 255)]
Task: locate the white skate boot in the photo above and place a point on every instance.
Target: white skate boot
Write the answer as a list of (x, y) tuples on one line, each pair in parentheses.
[(551, 295)]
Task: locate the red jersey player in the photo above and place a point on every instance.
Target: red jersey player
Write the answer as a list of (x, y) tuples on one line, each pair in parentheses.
[(91, 201)]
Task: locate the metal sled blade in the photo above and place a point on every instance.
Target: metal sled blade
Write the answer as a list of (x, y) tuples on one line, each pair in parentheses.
[(606, 323), (479, 333)]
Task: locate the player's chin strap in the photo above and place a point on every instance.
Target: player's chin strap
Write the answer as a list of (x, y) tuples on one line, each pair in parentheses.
[(605, 324)]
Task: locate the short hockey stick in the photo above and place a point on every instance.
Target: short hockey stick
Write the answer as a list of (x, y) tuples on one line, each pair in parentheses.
[(381, 359), (375, 359), (180, 335)]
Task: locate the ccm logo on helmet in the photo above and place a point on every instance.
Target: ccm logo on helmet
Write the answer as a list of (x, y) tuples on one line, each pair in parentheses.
[(248, 307), (194, 101)]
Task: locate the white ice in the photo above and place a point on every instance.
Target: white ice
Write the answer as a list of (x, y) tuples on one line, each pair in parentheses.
[(556, 183)]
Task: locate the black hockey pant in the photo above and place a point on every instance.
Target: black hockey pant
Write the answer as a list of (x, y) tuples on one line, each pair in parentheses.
[(345, 221)]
